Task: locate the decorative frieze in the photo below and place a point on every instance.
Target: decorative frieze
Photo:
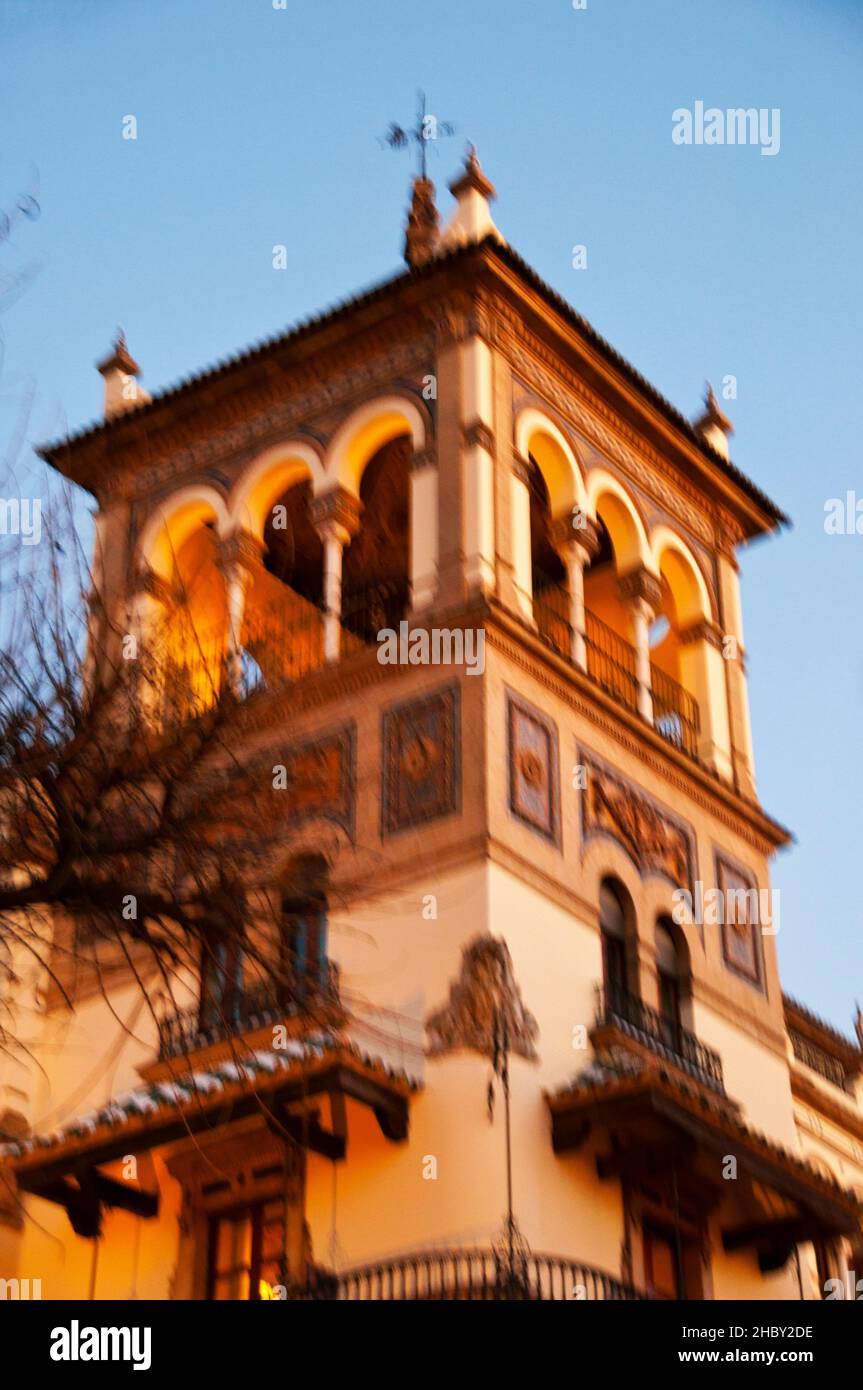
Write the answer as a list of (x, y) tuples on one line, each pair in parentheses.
[(656, 841)]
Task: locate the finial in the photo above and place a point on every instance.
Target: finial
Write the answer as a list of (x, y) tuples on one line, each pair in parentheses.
[(472, 219), (120, 372), (713, 424), (423, 229)]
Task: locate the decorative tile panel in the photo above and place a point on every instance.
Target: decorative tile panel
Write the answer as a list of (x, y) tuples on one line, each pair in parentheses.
[(421, 772), (740, 927), (534, 787)]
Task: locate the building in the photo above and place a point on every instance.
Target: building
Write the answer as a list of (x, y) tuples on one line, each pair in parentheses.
[(484, 884)]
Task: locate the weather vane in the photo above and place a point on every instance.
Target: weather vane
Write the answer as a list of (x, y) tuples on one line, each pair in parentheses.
[(427, 127)]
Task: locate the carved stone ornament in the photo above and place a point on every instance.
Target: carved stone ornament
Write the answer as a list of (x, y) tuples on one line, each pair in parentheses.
[(653, 839), (484, 1002)]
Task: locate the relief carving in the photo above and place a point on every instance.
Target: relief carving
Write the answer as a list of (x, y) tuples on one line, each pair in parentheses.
[(485, 1006), (654, 840)]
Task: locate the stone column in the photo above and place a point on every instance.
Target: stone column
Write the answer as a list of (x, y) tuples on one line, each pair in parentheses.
[(239, 556), (734, 653), (336, 516), (576, 546), (151, 602), (424, 530), (478, 442), (522, 573), (641, 591), (702, 671)]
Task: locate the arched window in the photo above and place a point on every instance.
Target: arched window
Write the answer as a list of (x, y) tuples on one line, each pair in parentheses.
[(673, 978), (221, 982), (615, 918), (376, 575), (304, 967)]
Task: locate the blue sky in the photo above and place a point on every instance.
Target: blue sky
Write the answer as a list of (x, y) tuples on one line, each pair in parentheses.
[(258, 126)]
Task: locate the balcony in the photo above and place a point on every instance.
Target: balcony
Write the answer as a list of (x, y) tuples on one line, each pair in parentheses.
[(627, 1015), (282, 641), (823, 1062), (612, 664), (260, 1007), (470, 1275)]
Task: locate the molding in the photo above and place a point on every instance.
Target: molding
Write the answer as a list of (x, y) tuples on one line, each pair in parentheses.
[(849, 1120)]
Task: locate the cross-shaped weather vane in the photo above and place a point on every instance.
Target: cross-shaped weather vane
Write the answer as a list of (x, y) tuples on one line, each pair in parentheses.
[(427, 127)]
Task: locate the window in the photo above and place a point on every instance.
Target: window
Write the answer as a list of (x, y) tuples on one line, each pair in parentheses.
[(661, 1272), (671, 982), (246, 1252), (304, 943), (612, 921), (221, 982)]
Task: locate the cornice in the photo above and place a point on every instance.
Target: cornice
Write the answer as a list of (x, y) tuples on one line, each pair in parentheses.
[(849, 1119), (252, 418)]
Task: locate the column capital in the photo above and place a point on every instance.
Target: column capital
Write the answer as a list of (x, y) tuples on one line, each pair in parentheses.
[(583, 536), (642, 586), (521, 467), (705, 630), (424, 458), (242, 550), (477, 434), (154, 585), (336, 514)]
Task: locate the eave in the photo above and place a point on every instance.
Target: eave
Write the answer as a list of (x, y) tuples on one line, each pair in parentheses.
[(77, 455)]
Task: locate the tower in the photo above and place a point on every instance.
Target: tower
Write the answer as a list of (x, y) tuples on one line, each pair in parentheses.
[(529, 886)]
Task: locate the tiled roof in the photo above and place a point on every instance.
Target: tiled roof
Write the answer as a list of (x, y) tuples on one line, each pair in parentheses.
[(342, 308), (255, 1070), (601, 1082), (822, 1026)]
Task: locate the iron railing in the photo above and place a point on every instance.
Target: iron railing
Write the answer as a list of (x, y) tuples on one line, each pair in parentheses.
[(663, 1036), (280, 644), (262, 1005), (552, 611), (367, 610), (815, 1057), (611, 661), (466, 1274), (675, 713)]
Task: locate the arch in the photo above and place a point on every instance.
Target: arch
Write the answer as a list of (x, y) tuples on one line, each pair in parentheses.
[(609, 502), (675, 563), (268, 477), (539, 437), (367, 430), (619, 932), (175, 520)]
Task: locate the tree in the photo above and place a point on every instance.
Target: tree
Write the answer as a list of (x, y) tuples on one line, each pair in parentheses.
[(134, 834)]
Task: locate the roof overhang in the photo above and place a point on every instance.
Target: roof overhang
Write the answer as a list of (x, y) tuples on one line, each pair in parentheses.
[(82, 455), (66, 1168), (651, 1124)]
